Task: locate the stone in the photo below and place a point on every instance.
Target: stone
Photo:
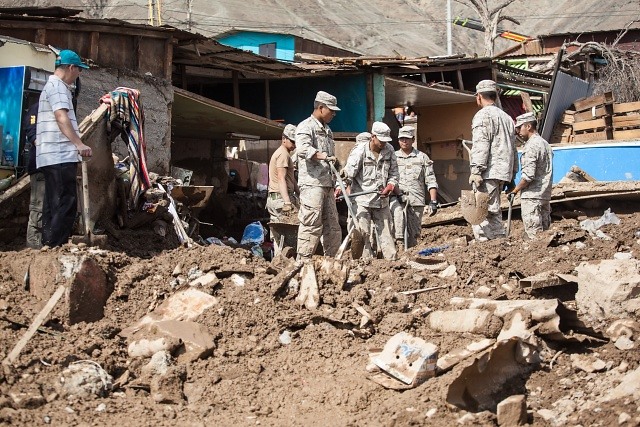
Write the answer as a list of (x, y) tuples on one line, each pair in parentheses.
[(23, 400), (624, 343), (471, 320), (84, 379), (168, 387), (87, 286), (198, 342), (607, 289), (512, 411), (449, 272), (547, 414), (483, 291), (208, 280), (623, 418), (158, 365)]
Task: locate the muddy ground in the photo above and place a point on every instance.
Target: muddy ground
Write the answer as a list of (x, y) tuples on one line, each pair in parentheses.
[(319, 378)]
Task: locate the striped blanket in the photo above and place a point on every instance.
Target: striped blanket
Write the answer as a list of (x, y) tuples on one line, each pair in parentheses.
[(126, 114)]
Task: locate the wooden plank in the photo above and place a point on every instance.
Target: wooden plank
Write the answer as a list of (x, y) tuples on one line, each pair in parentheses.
[(592, 113), (626, 121), (626, 107), (593, 101), (526, 101), (94, 48), (37, 322), (602, 135), (590, 124), (619, 135)]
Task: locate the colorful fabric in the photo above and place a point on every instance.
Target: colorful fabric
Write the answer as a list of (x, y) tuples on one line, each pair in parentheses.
[(126, 113)]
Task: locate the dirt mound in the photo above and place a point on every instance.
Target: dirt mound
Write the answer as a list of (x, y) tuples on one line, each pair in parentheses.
[(275, 363)]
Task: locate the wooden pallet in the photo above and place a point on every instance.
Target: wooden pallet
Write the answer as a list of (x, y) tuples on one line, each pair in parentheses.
[(626, 122), (626, 107), (593, 101), (620, 135), (592, 125), (593, 135), (594, 113)]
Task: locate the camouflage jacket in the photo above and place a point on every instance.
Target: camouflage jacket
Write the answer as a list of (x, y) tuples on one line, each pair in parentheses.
[(415, 172), (537, 168), (311, 137), (494, 154), (366, 173)]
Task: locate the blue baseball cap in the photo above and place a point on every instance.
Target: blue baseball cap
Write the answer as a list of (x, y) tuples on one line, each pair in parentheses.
[(69, 57)]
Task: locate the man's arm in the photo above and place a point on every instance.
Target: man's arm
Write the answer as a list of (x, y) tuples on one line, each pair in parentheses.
[(282, 184), (64, 123), (529, 159), (481, 145), (394, 174)]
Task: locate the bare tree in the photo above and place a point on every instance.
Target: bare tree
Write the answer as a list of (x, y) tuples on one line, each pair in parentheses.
[(95, 8), (490, 16)]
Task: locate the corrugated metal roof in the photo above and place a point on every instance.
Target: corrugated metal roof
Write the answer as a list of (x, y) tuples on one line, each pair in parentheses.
[(566, 89)]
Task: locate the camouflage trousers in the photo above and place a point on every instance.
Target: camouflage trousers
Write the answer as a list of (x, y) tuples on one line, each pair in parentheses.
[(492, 227), (34, 227), (536, 215), (414, 222), (318, 219), (381, 219)]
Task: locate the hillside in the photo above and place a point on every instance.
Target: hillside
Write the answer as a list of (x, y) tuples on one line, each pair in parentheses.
[(372, 27)]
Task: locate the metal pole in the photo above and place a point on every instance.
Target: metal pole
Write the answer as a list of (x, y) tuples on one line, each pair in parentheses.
[(189, 10), (449, 45)]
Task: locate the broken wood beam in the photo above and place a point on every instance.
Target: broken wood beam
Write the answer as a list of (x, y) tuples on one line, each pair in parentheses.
[(37, 322)]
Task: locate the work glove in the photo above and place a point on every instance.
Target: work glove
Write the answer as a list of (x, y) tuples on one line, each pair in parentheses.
[(510, 186), (387, 190), (475, 179), (433, 207), (288, 207), (337, 192), (331, 159)]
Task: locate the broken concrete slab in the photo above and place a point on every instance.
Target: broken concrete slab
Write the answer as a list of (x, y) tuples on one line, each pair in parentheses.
[(87, 286), (147, 347), (608, 289), (168, 387), (186, 304), (482, 384), (545, 280), (475, 321), (629, 386), (454, 357), (208, 280), (197, 342)]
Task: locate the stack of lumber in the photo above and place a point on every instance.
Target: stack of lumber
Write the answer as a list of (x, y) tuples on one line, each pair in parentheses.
[(598, 118)]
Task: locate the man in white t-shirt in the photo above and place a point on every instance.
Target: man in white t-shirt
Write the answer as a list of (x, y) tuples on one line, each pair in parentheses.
[(58, 147)]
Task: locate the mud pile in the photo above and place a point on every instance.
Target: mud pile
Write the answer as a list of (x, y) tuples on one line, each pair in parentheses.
[(272, 362)]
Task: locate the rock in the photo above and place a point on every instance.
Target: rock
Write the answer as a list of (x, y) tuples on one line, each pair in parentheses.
[(101, 407), (467, 419), (4, 305), (23, 400), (208, 280), (512, 411), (622, 255), (547, 415), (144, 347), (431, 412), (483, 291), (586, 364), (8, 415), (85, 379), (623, 418), (607, 289), (177, 271), (449, 272), (87, 286), (580, 245), (167, 388), (629, 386), (158, 365), (624, 343), (285, 337)]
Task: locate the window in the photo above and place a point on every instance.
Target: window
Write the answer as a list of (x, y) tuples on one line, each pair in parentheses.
[(268, 50)]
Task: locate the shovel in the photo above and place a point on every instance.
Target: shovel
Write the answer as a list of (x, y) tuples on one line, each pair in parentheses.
[(357, 239), (510, 197), (89, 238), (474, 204)]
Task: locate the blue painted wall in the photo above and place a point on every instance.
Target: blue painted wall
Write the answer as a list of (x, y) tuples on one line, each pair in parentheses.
[(251, 41), (605, 162), (11, 90), (292, 100)]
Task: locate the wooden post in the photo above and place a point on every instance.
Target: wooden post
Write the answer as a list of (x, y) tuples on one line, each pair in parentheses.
[(93, 48), (41, 36), (236, 89), (267, 100), (168, 58)]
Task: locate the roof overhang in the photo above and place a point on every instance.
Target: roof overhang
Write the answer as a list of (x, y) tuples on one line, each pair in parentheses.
[(194, 116), (400, 91)]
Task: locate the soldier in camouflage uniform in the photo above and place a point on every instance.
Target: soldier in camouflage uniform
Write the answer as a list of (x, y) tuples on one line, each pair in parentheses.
[(372, 166), (494, 159), (535, 183), (315, 149), (415, 170)]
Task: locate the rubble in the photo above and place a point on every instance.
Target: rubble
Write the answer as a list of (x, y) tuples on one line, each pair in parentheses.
[(206, 348)]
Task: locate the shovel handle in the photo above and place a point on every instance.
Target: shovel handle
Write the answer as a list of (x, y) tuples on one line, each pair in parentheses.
[(85, 196)]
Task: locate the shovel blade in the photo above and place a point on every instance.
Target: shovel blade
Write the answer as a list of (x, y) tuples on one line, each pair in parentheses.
[(474, 206), (357, 243)]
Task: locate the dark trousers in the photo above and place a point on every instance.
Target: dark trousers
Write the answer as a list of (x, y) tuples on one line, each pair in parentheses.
[(60, 203)]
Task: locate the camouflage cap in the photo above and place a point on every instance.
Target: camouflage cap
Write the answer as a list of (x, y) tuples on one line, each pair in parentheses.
[(327, 99), (290, 132), (381, 131), (525, 118), (407, 132), (486, 86), (363, 137)]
